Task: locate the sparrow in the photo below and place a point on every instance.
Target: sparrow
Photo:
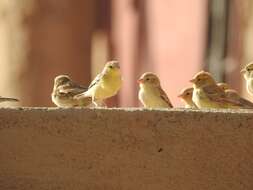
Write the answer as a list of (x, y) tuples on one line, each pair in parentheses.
[(247, 72), (207, 94), (151, 94), (186, 97), (105, 85), (65, 90)]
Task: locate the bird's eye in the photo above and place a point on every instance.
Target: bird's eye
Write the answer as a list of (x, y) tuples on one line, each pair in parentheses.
[(110, 66), (187, 93), (248, 69), (198, 79), (147, 79)]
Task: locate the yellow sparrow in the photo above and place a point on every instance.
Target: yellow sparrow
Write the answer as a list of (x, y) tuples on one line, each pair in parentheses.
[(207, 94), (186, 97), (151, 94), (248, 76), (64, 91), (233, 95), (105, 85)]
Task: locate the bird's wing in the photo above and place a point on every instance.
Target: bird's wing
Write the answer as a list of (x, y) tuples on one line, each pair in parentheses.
[(165, 98), (72, 89), (232, 94), (216, 94), (74, 85), (214, 90), (70, 96), (62, 94)]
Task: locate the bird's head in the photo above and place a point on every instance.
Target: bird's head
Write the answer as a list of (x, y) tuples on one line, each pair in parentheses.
[(224, 86), (202, 79), (112, 68), (186, 93), (61, 80), (149, 79), (247, 70)]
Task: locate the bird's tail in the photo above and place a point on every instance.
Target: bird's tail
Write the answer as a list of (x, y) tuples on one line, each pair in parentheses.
[(81, 95), (4, 99)]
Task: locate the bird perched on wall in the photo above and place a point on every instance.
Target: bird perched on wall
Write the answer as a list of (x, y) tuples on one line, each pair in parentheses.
[(4, 99), (151, 94), (105, 85), (233, 95), (186, 96), (247, 72), (64, 91), (207, 94)]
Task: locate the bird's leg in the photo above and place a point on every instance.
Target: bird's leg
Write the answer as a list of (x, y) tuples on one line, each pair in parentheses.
[(94, 102), (101, 103)]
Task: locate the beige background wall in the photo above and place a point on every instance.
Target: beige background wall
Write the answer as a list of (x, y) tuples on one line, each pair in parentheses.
[(40, 39)]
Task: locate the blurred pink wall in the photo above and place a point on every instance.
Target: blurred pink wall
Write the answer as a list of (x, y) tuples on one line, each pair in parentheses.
[(163, 36)]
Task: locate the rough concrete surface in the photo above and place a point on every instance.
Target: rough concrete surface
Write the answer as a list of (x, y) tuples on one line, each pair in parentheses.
[(125, 149)]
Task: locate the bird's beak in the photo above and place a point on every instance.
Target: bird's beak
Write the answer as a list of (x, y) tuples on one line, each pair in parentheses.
[(243, 71), (117, 66), (140, 81), (180, 95), (193, 80)]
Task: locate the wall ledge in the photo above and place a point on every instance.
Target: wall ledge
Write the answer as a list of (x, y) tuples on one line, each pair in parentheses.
[(125, 148)]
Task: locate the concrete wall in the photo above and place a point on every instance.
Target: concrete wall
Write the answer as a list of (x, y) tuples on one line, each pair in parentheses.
[(87, 149)]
